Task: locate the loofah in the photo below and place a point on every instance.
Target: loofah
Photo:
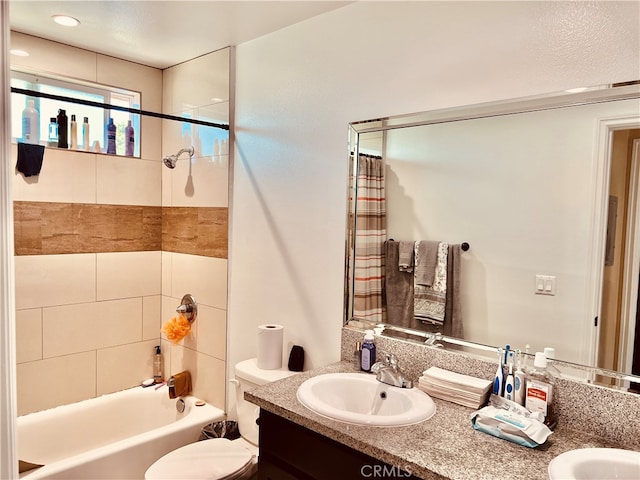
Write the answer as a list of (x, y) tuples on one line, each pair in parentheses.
[(176, 329)]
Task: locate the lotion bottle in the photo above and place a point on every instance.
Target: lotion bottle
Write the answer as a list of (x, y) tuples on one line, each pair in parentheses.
[(158, 367), (86, 142), (368, 356), (74, 133)]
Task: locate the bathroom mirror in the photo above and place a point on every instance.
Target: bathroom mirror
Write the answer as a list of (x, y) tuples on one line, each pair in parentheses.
[(528, 184)]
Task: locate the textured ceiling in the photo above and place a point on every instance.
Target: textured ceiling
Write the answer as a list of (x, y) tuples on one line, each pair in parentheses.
[(161, 33)]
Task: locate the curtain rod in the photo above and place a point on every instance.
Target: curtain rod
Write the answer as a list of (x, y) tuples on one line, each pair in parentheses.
[(368, 155), (107, 106)]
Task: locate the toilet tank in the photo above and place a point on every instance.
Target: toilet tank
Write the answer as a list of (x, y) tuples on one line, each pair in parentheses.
[(250, 376)]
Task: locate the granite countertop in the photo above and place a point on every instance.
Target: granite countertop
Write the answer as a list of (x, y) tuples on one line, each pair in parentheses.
[(445, 446)]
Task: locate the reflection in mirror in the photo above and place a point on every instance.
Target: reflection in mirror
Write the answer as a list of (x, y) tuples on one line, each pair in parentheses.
[(528, 184)]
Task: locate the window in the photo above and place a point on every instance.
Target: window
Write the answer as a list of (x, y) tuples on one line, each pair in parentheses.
[(97, 117)]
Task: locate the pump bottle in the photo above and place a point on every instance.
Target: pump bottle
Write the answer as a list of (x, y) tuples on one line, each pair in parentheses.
[(158, 367), (539, 389), (368, 354)]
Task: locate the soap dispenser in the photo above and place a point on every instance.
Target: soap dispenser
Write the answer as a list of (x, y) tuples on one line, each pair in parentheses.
[(368, 354), (158, 367)]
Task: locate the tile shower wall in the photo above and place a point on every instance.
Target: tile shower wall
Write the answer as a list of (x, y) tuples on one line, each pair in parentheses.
[(195, 217), (92, 282)]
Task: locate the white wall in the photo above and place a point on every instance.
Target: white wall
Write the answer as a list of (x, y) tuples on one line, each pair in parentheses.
[(298, 88)]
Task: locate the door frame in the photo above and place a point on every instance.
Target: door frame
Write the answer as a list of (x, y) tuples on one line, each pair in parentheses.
[(601, 176)]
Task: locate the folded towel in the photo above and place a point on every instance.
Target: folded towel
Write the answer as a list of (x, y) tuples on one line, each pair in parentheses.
[(425, 269), (29, 159), (405, 256), (179, 384), (397, 294), (429, 302)]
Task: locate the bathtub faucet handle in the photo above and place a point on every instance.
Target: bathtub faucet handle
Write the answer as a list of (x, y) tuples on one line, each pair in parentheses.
[(188, 307)]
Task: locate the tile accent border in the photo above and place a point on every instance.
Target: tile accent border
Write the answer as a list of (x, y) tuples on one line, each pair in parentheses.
[(50, 228)]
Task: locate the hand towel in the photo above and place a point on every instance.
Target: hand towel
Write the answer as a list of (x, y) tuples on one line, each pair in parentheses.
[(180, 384), (397, 292), (29, 159), (405, 256), (425, 270), (453, 312), (429, 301)]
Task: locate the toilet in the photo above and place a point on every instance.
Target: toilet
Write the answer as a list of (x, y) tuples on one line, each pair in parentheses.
[(220, 458)]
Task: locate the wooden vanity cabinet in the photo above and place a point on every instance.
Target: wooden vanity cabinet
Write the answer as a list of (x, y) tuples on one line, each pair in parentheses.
[(289, 451)]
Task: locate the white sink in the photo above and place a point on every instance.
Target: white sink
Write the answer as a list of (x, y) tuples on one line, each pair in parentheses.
[(595, 464), (361, 399)]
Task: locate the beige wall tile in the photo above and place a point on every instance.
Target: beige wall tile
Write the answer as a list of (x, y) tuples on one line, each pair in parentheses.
[(56, 381), (203, 277), (88, 326), (132, 76), (128, 274), (196, 82), (124, 366), (66, 176), (212, 332), (208, 185), (28, 335), (51, 57), (128, 181), (151, 317), (47, 280), (167, 266), (150, 132)]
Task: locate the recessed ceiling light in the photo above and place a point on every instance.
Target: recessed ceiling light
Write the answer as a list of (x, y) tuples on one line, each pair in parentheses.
[(19, 53), (66, 20)]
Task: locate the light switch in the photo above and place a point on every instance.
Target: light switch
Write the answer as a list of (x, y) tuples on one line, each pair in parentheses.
[(545, 285)]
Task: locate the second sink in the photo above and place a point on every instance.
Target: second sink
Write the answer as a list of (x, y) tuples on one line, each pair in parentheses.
[(359, 398)]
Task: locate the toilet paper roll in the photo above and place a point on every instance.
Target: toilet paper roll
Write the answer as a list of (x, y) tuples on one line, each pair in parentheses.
[(270, 346)]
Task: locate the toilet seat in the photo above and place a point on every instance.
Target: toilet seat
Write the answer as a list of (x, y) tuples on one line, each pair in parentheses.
[(214, 459)]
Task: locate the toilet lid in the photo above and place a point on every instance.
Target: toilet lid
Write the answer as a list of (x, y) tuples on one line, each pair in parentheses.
[(214, 459)]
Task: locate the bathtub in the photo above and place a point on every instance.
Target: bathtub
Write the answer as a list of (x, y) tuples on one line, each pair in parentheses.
[(115, 436)]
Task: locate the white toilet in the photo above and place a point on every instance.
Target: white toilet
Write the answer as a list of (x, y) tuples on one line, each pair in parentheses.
[(220, 458)]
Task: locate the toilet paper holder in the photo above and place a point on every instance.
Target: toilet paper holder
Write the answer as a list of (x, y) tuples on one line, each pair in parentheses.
[(188, 307)]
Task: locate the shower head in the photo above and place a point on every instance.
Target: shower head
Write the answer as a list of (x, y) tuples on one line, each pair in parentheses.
[(171, 160)]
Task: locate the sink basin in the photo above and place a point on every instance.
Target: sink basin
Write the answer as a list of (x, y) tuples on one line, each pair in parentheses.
[(596, 464), (359, 398)]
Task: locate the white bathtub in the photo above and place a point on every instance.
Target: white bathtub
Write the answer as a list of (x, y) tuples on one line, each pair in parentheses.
[(115, 436)]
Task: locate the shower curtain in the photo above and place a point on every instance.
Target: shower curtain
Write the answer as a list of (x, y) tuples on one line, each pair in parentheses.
[(371, 231)]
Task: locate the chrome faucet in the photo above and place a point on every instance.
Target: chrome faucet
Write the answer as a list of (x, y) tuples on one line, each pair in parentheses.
[(434, 339), (387, 371)]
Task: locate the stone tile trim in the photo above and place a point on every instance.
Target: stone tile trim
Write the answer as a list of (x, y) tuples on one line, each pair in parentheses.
[(607, 413), (51, 228)]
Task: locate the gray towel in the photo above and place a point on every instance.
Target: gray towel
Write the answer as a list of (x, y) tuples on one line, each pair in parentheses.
[(453, 315), (405, 256), (398, 289), (425, 271)]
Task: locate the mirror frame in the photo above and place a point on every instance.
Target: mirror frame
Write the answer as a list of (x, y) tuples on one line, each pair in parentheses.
[(570, 98)]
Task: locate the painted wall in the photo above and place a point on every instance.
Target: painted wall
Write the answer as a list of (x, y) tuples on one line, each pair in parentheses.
[(298, 88), (88, 316)]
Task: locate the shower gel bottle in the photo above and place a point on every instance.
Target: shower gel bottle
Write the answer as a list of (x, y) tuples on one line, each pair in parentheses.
[(111, 137), (74, 133), (85, 135), (63, 132), (129, 139)]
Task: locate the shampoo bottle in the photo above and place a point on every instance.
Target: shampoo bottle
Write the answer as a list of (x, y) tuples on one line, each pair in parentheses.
[(158, 366), (368, 356), (30, 124), (539, 389), (129, 139), (111, 137), (63, 133), (74, 133), (86, 142)]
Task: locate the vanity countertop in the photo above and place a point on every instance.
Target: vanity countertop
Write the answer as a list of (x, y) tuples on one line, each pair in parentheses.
[(445, 446)]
